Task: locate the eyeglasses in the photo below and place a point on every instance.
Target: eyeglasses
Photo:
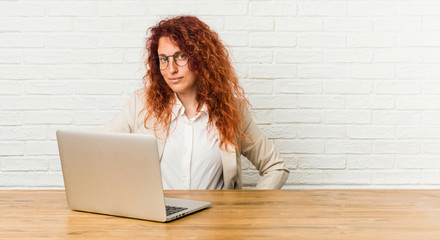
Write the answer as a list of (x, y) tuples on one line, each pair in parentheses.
[(180, 58)]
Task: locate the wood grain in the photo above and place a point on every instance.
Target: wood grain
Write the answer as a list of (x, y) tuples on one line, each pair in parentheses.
[(236, 214)]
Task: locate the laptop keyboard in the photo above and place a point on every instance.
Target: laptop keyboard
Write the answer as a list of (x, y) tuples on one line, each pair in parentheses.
[(172, 209)]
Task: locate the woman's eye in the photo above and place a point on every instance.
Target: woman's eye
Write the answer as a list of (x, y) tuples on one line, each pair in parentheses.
[(181, 56), (163, 59)]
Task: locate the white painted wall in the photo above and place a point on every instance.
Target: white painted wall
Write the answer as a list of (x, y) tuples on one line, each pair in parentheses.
[(349, 91)]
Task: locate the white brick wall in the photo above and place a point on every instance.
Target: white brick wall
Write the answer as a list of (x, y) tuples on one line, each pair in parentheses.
[(348, 91)]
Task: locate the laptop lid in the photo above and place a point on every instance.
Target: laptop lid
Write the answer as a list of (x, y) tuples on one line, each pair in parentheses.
[(113, 173)]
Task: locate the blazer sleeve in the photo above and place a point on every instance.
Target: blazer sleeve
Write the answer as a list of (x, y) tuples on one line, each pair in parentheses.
[(124, 121), (263, 155)]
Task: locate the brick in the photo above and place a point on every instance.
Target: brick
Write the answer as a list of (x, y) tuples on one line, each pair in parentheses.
[(370, 71), (271, 39), (14, 148), (92, 117), (397, 87), (121, 71), (323, 71), (347, 146), (14, 24), (346, 177), (263, 116), (279, 131), (48, 117), (298, 56), (23, 103), (71, 41), (370, 102), (347, 116), (272, 9), (257, 86), (22, 40), (347, 87), (430, 117), (370, 132), (371, 40), (249, 23), (321, 8), (48, 88), (244, 55), (347, 24), (235, 39), (305, 177), (298, 24), (138, 24), (76, 9), (112, 103), (11, 87), (10, 118), (273, 101), (94, 24), (129, 56), (48, 57), (348, 55), (125, 8), (431, 55), (321, 101), (222, 8), (54, 164), (12, 179), (421, 132), (321, 162), (41, 148), (371, 8), (269, 71), (396, 146), (10, 56), (399, 177), (53, 24), (299, 146), (370, 161), (215, 23), (73, 103), (121, 40), (290, 160), (241, 70), (417, 71), (24, 164), (20, 9), (402, 55), (418, 102), (417, 162), (431, 147), (48, 179), (297, 116), (417, 9), (297, 86), (321, 131), (321, 40), (397, 24), (430, 176), (22, 133), (72, 72), (98, 88), (418, 39), (396, 117)]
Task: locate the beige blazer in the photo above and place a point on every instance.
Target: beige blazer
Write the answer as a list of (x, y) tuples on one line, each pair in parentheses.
[(257, 149)]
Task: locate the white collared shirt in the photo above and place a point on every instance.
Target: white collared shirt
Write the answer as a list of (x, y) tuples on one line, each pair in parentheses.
[(191, 157)]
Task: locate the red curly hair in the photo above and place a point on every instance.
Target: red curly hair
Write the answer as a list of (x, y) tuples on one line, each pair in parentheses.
[(217, 83)]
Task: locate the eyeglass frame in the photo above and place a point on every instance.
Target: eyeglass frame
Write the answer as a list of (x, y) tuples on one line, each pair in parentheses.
[(174, 58)]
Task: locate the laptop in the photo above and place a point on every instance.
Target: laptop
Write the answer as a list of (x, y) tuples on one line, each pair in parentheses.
[(117, 174)]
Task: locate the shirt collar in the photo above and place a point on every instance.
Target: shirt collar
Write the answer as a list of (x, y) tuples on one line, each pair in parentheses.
[(179, 110)]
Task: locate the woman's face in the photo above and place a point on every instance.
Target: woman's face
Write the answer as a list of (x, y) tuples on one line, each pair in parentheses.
[(180, 79)]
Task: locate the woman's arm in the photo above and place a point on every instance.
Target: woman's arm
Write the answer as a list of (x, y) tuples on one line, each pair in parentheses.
[(124, 121), (263, 155)]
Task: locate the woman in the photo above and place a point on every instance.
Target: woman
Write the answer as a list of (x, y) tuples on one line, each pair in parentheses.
[(193, 103)]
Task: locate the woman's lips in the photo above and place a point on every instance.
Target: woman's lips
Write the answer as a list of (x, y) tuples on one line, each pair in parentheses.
[(175, 80)]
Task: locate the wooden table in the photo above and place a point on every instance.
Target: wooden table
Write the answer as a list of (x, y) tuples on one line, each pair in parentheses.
[(236, 214)]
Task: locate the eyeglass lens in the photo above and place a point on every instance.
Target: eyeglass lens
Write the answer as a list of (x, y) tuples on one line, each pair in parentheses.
[(180, 58)]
